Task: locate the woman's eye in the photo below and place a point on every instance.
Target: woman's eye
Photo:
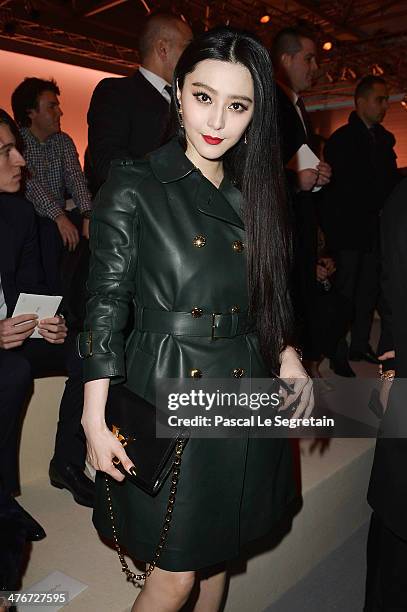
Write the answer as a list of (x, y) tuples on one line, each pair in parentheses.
[(238, 106), (202, 97)]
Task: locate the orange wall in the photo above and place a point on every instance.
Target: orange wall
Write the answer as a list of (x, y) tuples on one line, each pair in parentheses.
[(76, 85), (326, 122)]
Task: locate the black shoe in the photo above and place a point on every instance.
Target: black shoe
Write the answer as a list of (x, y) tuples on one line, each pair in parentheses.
[(71, 477), (369, 355), (33, 530)]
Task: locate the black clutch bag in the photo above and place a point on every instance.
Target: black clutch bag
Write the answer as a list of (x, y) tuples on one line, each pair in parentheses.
[(133, 421)]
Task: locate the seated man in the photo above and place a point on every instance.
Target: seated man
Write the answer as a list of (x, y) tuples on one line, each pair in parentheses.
[(22, 358), (53, 172)]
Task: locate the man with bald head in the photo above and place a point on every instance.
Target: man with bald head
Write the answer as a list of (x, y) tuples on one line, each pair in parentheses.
[(127, 116)]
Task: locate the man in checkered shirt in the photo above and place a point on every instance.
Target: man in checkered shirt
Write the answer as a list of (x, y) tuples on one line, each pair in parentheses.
[(54, 172)]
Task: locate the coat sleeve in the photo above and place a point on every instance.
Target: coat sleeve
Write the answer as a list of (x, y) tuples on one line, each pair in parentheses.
[(112, 274), (108, 128)]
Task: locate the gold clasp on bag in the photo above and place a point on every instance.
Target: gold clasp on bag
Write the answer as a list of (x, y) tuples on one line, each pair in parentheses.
[(123, 441), (116, 432)]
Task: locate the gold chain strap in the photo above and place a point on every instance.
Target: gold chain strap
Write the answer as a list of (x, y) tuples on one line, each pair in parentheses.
[(175, 470)]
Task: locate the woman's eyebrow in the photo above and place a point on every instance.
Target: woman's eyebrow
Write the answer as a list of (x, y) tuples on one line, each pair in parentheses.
[(231, 96)]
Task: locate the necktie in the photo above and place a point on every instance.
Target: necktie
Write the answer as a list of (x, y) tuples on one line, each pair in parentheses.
[(168, 89), (305, 118)]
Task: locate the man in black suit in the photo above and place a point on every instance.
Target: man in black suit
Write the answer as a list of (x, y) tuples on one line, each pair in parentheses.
[(22, 358), (127, 116), (364, 173), (386, 586), (294, 59)]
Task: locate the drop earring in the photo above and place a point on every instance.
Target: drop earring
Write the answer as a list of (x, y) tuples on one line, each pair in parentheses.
[(179, 112), (245, 138)]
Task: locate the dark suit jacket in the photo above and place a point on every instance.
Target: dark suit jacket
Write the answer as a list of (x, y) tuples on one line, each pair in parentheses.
[(292, 131), (126, 118), (364, 173), (293, 135), (20, 260), (388, 484)]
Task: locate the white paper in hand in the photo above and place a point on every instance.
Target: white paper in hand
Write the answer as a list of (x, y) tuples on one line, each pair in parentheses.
[(303, 159), (45, 306)]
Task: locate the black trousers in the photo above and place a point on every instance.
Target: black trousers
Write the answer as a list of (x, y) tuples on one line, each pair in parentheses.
[(357, 282), (386, 584), (18, 367)]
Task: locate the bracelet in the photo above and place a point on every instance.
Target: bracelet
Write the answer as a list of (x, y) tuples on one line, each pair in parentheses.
[(388, 375)]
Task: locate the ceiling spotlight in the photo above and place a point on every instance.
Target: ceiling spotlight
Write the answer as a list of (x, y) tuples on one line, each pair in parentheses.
[(377, 70), (327, 46), (265, 19)]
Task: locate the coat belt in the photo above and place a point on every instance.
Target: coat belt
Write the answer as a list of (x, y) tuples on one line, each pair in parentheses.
[(215, 325)]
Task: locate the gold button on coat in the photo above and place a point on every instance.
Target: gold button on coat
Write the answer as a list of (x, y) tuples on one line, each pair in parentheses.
[(196, 312), (237, 246), (238, 372), (199, 241), (195, 373)]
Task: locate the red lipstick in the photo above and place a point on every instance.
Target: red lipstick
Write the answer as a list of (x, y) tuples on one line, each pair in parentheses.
[(211, 140)]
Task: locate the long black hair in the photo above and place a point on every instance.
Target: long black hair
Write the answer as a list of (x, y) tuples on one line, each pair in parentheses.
[(257, 169)]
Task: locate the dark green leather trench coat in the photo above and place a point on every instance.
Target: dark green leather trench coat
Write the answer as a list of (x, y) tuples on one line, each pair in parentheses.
[(168, 245)]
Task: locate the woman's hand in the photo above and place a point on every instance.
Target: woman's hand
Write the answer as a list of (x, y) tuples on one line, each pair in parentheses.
[(294, 374), (102, 444), (103, 447)]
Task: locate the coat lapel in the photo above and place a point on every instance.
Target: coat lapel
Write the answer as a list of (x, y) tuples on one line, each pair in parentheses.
[(223, 203), (170, 164)]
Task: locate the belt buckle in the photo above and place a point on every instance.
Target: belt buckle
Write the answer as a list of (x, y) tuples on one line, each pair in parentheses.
[(213, 326)]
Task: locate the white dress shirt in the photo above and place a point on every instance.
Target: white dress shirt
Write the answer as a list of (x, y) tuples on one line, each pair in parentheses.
[(157, 82), (3, 305), (293, 97), (290, 93)]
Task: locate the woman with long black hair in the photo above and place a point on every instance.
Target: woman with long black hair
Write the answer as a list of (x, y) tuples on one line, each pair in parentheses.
[(200, 227)]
